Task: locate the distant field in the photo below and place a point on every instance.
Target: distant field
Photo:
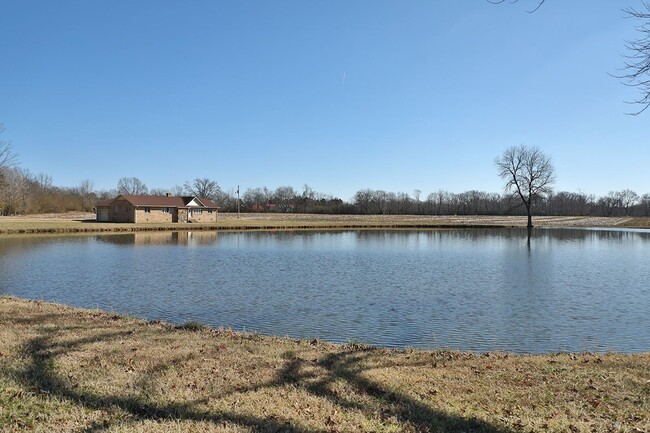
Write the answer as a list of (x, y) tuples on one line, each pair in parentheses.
[(84, 222)]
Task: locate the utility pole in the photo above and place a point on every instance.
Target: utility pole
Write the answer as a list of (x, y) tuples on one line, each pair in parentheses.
[(238, 215)]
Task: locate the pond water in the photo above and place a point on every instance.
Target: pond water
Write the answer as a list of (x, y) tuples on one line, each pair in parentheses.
[(477, 290)]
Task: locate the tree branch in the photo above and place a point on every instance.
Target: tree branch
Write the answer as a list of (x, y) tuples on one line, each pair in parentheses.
[(497, 2), (637, 64)]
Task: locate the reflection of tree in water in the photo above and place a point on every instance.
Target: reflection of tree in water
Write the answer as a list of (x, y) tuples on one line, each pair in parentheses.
[(16, 244), (23, 243), (559, 234)]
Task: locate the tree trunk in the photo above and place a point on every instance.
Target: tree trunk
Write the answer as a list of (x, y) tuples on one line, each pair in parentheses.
[(530, 218)]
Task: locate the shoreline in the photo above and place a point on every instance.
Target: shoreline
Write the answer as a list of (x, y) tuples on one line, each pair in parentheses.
[(75, 223), (71, 369)]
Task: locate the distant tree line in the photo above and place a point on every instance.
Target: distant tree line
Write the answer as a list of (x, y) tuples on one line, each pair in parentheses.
[(22, 192), (615, 203)]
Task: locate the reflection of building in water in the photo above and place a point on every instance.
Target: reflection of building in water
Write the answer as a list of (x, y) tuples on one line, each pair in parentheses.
[(176, 238), (162, 238)]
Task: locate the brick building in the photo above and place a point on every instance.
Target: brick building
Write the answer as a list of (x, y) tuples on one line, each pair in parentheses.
[(156, 209)]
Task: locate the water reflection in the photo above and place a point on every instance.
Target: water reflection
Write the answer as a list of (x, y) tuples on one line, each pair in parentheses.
[(161, 238), (477, 289)]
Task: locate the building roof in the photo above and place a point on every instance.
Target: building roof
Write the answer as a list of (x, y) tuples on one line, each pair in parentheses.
[(104, 203), (161, 201), (206, 202)]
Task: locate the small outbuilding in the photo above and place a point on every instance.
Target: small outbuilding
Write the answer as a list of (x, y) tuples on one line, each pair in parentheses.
[(156, 209)]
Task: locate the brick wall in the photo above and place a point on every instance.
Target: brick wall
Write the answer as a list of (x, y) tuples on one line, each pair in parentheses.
[(156, 215), (121, 211), (204, 217)]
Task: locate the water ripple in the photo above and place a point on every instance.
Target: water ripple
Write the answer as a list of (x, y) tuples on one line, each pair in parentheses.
[(477, 290)]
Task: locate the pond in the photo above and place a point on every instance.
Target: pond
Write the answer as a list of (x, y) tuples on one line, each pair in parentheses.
[(475, 289)]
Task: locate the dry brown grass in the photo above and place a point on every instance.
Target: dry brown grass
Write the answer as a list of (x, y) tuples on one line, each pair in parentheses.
[(65, 370), (83, 223), (641, 223)]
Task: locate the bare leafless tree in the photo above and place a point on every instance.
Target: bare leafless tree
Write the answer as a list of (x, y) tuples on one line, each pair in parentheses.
[(528, 173), (637, 64), (203, 187), (285, 198), (7, 162), (628, 198), (131, 186), (416, 196), (645, 204), (86, 194), (14, 190), (7, 157)]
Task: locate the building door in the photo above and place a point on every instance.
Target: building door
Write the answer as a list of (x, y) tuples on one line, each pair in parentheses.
[(102, 215)]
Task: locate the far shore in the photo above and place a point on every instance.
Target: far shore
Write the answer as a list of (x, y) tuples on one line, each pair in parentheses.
[(85, 223), (68, 369)]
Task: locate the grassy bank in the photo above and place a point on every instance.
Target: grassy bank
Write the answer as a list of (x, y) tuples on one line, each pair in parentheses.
[(84, 224), (64, 369)]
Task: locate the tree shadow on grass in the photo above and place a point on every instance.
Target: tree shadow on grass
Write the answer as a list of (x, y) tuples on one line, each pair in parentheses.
[(348, 367), (375, 399)]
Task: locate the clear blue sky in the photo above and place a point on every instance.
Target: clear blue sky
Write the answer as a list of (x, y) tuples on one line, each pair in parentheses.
[(340, 94)]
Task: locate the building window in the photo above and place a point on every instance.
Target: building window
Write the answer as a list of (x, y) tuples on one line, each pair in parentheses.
[(196, 210), (166, 210), (147, 210)]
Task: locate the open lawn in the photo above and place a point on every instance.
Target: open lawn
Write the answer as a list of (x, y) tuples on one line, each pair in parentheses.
[(82, 223), (71, 370)]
